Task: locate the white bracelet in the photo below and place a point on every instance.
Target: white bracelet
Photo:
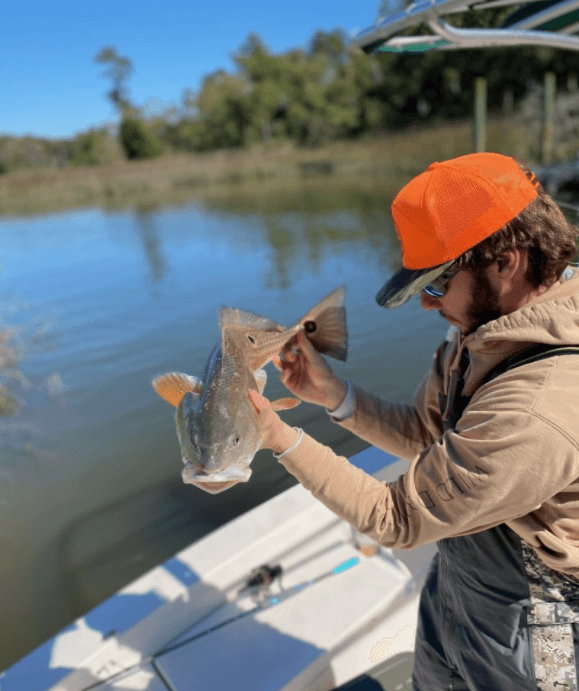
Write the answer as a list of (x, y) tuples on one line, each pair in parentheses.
[(300, 432), (346, 407)]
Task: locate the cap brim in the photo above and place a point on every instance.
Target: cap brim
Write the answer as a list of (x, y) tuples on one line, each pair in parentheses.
[(406, 283)]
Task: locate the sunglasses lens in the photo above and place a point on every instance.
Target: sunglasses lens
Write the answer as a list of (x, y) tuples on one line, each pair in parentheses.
[(429, 290), (437, 288)]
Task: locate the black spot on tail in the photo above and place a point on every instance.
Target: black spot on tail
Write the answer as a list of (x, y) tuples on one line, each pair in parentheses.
[(310, 327)]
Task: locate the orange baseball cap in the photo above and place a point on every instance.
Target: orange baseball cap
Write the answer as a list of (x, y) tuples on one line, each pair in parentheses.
[(446, 210)]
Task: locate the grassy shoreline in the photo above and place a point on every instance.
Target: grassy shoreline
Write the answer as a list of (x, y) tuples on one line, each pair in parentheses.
[(179, 177)]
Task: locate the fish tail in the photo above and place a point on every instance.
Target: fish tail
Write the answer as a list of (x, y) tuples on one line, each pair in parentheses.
[(325, 325)]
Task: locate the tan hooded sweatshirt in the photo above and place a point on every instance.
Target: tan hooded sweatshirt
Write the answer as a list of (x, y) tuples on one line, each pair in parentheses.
[(513, 457)]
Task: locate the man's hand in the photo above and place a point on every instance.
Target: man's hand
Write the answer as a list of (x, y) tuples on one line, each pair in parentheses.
[(275, 433), (308, 376)]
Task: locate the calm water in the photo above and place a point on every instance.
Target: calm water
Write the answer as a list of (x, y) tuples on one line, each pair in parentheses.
[(90, 488)]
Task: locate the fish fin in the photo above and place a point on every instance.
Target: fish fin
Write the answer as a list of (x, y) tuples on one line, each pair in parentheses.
[(285, 403), (231, 316), (325, 325), (174, 385), (260, 379)]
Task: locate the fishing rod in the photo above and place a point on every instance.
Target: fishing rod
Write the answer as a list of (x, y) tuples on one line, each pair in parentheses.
[(267, 603)]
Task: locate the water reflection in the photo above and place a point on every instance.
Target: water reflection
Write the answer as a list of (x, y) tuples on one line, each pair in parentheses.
[(302, 222), (149, 235)]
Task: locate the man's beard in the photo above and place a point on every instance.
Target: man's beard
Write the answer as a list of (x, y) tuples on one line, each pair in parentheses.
[(485, 303)]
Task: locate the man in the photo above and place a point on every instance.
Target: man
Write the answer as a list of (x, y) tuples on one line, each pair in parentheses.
[(494, 454)]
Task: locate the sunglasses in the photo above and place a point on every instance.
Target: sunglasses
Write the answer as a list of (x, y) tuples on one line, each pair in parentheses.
[(439, 286)]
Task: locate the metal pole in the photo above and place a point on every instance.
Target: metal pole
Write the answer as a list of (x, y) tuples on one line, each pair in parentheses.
[(548, 118), (480, 114)]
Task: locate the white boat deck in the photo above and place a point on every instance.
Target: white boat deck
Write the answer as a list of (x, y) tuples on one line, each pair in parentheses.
[(185, 625)]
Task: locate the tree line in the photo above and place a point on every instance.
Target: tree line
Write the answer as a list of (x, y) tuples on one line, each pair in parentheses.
[(308, 96)]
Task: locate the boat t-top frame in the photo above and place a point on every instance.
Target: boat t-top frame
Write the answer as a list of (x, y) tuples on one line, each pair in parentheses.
[(540, 22)]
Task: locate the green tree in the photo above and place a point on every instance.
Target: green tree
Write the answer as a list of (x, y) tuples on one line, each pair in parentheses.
[(325, 90), (93, 148), (136, 137), (222, 111), (333, 90), (137, 140), (119, 70), (265, 91), (26, 153)]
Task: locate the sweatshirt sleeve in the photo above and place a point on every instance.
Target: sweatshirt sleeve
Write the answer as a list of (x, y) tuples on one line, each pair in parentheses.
[(465, 482), (402, 430)]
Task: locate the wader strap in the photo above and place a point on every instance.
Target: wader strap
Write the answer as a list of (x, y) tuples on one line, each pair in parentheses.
[(453, 405), (532, 354)]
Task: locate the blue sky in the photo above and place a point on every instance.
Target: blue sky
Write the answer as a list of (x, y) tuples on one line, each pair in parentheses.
[(51, 86)]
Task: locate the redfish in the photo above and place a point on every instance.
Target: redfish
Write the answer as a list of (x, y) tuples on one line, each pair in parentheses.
[(217, 424)]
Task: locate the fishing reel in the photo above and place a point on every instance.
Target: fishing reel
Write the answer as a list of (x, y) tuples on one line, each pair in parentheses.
[(259, 583)]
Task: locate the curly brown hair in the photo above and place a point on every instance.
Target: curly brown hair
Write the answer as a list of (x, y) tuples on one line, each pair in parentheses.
[(542, 229)]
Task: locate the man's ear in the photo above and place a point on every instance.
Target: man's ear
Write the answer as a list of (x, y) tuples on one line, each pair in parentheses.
[(508, 260)]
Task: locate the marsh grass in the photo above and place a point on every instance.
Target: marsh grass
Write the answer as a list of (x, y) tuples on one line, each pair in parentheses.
[(179, 177)]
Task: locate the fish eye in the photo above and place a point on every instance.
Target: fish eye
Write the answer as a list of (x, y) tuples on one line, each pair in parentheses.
[(251, 339), (236, 441), (310, 326)]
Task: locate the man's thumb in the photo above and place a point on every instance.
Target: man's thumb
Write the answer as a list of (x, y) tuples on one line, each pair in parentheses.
[(305, 345)]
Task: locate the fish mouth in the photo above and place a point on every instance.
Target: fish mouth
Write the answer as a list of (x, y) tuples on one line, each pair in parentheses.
[(212, 487), (214, 482)]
